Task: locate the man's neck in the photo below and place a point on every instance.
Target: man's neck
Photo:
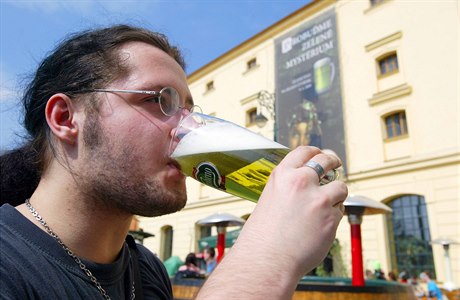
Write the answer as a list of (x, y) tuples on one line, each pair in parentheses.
[(92, 232)]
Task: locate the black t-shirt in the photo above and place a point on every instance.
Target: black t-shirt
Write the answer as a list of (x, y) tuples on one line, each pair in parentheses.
[(34, 266)]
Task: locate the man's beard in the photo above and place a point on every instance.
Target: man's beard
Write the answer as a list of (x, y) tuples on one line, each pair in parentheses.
[(113, 178)]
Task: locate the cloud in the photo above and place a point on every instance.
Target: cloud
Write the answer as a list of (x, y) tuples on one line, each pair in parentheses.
[(8, 92)]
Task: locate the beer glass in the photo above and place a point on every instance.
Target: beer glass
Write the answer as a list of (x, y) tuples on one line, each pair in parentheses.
[(224, 155)]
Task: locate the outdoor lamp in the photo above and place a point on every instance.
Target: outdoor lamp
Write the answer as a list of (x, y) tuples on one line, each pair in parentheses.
[(140, 235), (355, 207), (265, 100), (221, 221), (446, 242), (261, 120)]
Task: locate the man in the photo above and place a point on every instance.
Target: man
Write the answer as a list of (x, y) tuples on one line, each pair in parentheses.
[(209, 257), (432, 289), (100, 112)]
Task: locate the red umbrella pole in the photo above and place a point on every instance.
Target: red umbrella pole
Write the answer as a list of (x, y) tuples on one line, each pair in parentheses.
[(357, 278), (220, 242)]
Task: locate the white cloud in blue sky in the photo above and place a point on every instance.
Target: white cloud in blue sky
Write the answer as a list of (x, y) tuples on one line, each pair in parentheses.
[(7, 87)]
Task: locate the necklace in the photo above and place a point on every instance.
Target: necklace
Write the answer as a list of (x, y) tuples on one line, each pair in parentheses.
[(71, 254)]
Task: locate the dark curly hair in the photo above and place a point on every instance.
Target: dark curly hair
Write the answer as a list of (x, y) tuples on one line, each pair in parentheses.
[(83, 61)]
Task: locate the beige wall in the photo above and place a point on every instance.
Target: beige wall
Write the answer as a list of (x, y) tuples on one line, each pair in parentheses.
[(427, 162), (425, 36)]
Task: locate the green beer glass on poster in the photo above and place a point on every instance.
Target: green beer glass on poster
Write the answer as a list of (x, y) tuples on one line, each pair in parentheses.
[(224, 155)]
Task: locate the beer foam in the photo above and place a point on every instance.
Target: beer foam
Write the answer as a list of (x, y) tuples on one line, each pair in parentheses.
[(218, 137)]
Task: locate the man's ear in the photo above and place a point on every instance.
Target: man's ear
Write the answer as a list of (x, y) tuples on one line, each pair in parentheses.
[(60, 115)]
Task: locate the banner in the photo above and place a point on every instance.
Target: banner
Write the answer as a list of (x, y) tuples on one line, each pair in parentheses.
[(308, 92)]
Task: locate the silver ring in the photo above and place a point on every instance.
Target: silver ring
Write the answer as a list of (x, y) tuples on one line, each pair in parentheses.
[(329, 177), (317, 167)]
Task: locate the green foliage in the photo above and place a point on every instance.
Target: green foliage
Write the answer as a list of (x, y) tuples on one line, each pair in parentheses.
[(339, 268)]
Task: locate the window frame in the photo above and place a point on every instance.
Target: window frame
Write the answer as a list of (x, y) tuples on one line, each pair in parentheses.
[(210, 86), (409, 229), (251, 114), (393, 65), (375, 3), (402, 124), (251, 64), (166, 242)]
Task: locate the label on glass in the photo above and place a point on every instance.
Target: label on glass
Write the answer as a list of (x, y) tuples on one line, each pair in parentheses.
[(208, 174)]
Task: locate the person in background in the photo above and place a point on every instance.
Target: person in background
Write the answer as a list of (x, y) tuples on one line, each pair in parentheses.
[(392, 276), (433, 291), (100, 111), (190, 269), (403, 277), (416, 287), (378, 273), (209, 254), (369, 274)]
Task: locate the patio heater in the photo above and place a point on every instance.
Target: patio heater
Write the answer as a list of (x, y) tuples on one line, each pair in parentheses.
[(221, 221), (355, 207), (446, 242), (140, 235)]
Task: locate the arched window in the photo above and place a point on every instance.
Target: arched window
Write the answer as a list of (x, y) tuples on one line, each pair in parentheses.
[(166, 242), (409, 234), (202, 232)]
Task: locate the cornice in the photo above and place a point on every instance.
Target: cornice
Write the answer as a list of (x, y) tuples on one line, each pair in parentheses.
[(406, 166), (396, 92), (213, 202), (385, 40)]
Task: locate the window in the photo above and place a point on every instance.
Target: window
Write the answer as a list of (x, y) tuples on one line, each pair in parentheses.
[(251, 64), (202, 236), (376, 2), (210, 86), (396, 125), (166, 242), (409, 234), (388, 64), (251, 117)]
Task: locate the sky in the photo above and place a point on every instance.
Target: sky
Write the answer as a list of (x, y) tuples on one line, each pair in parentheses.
[(203, 30)]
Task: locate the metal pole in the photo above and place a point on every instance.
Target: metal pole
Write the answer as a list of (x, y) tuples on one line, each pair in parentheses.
[(221, 230), (357, 278), (449, 283)]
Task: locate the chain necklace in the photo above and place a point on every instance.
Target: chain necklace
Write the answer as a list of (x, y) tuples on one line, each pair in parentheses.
[(71, 254)]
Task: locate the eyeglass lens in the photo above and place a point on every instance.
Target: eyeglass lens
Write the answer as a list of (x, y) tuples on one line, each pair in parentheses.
[(169, 101)]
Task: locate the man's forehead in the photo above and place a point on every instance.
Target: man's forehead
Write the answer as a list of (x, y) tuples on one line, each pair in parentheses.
[(150, 68), (142, 50)]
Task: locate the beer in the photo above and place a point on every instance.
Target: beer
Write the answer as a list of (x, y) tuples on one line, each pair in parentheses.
[(229, 158)]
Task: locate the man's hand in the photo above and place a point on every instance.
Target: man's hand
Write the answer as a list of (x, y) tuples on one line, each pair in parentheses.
[(289, 232)]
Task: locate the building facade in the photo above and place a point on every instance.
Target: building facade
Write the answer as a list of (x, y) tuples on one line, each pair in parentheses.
[(375, 81)]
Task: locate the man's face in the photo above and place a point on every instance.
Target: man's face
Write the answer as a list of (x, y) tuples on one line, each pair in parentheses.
[(125, 158)]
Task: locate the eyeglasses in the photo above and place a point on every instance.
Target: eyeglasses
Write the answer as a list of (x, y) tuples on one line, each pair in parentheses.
[(167, 97)]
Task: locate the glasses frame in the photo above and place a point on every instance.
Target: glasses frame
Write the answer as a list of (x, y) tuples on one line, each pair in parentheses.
[(156, 94)]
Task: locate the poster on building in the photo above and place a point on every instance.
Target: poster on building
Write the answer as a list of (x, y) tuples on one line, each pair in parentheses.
[(308, 93)]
